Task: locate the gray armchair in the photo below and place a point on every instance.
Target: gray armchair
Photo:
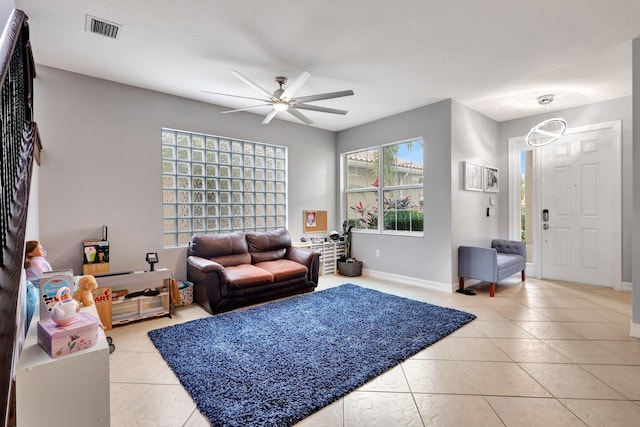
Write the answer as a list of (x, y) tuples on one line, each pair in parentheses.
[(503, 259)]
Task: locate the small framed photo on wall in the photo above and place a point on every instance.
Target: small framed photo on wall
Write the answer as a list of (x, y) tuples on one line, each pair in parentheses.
[(311, 218), (472, 176), (314, 221), (491, 181)]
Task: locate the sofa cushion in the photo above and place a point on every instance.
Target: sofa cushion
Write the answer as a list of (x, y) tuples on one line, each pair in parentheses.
[(509, 247), (268, 240), (231, 260), (283, 269), (247, 276), (507, 260), (212, 245), (258, 257)]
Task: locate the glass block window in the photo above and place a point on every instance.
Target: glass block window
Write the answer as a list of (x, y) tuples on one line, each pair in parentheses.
[(214, 184)]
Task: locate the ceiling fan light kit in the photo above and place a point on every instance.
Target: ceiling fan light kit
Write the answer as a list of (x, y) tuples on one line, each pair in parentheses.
[(283, 99), (280, 106), (548, 130)]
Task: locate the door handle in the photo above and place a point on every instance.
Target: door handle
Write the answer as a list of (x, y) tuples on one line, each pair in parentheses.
[(545, 215)]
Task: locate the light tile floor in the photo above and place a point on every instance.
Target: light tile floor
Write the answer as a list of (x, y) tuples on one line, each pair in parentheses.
[(539, 354)]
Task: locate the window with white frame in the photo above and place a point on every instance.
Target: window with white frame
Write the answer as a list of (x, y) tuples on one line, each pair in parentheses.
[(215, 184), (386, 179)]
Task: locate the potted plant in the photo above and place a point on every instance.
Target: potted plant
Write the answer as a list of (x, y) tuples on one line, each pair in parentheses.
[(348, 266)]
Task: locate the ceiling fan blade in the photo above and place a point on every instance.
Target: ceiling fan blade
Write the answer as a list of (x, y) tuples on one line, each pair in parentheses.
[(238, 96), (252, 84), (269, 116), (298, 115), (247, 108), (295, 85), (320, 96), (318, 108)]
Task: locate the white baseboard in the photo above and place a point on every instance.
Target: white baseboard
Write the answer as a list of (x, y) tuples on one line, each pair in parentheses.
[(635, 330), (531, 270), (445, 287), (625, 287), (412, 281)]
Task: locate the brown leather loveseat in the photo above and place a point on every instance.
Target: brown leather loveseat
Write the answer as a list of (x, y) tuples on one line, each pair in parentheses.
[(238, 269)]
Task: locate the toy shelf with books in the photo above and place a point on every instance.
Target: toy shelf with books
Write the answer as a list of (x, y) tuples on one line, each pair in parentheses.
[(95, 257), (138, 295)]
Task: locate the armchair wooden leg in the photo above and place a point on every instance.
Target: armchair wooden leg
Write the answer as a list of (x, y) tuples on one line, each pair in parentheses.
[(461, 283), (492, 289), (523, 275)]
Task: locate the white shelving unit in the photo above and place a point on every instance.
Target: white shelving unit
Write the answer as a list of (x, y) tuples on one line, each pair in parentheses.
[(125, 310), (329, 254), (138, 308)]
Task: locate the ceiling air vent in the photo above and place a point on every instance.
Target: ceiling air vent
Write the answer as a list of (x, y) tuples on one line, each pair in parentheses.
[(103, 27)]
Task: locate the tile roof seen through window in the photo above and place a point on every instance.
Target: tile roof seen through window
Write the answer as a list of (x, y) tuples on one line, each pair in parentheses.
[(369, 157)]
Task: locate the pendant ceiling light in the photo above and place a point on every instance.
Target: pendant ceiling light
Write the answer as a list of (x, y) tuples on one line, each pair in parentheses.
[(548, 130)]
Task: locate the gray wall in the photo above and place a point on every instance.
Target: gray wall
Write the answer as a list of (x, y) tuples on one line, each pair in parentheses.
[(636, 187), (426, 258), (101, 145), (6, 7), (102, 138), (452, 133), (474, 138), (616, 109), (101, 165)]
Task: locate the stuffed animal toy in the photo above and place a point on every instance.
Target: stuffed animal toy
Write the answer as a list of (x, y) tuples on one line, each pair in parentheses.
[(85, 285)]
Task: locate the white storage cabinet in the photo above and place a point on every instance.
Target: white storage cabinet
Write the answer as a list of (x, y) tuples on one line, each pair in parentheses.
[(125, 310)]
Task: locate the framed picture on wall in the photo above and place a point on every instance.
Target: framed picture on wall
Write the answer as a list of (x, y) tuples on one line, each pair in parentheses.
[(491, 180), (472, 176), (311, 218)]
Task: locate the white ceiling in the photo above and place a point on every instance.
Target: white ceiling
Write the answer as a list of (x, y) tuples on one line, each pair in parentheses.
[(495, 56)]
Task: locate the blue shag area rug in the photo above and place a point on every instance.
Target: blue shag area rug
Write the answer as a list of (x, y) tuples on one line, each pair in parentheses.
[(277, 363)]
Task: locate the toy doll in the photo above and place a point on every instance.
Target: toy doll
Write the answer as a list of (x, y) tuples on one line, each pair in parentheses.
[(35, 262)]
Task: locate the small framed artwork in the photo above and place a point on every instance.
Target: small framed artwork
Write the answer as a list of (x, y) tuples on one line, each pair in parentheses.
[(491, 181), (311, 218), (472, 176)]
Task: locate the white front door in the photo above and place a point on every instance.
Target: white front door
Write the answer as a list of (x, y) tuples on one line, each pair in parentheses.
[(579, 209)]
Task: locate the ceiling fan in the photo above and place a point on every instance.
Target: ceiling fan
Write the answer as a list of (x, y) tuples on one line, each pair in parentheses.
[(283, 99)]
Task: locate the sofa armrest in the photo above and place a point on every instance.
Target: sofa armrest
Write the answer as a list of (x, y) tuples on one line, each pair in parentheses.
[(209, 281), (510, 247), (308, 257), (478, 263), (204, 265), (300, 255)]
